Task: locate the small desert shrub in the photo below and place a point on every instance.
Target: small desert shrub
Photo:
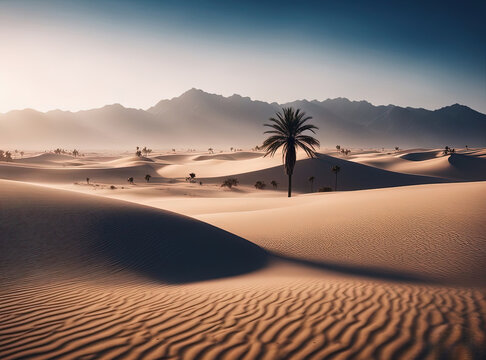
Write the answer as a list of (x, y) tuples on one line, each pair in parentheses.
[(325, 189), (112, 187), (229, 183), (260, 185)]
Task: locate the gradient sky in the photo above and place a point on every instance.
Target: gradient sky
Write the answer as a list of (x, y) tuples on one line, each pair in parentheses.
[(74, 55)]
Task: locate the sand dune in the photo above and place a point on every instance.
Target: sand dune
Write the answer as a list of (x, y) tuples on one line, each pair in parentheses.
[(468, 166), (376, 229), (353, 176), (394, 273), (230, 156), (103, 233)]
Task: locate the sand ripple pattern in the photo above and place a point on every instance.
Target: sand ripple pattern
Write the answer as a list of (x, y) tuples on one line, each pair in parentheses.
[(244, 318)]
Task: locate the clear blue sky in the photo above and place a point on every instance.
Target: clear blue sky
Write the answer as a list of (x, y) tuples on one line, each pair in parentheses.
[(81, 54)]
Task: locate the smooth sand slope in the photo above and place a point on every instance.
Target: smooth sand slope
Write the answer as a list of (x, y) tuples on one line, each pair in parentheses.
[(434, 232), (463, 166), (89, 277)]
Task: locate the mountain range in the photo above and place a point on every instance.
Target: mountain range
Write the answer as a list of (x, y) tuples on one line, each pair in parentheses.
[(199, 120)]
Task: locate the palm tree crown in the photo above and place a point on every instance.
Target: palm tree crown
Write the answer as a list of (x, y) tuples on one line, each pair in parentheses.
[(287, 129)]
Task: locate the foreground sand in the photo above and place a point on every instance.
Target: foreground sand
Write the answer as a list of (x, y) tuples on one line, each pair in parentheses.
[(395, 273)]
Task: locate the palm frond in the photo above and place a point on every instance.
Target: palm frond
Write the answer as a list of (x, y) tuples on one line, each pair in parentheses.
[(286, 130)]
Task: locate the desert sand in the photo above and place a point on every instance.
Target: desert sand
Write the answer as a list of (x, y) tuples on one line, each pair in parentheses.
[(390, 266)]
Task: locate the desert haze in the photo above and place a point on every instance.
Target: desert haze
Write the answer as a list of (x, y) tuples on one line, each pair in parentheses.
[(190, 120)]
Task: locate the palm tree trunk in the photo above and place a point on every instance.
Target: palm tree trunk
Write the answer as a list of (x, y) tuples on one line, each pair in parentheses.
[(290, 185), (335, 186)]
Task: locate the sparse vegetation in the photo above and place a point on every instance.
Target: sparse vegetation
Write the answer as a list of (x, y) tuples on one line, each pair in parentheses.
[(448, 150), (274, 184), (311, 180), (112, 187), (336, 169), (147, 177), (260, 185), (325, 189), (87, 180), (146, 151), (130, 180), (5, 155), (287, 129), (191, 178), (229, 183), (338, 148), (75, 153)]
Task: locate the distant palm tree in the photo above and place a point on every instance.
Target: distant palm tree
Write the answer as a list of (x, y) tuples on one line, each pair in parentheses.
[(287, 131), (338, 148), (130, 180), (335, 169), (274, 184), (311, 180), (147, 177)]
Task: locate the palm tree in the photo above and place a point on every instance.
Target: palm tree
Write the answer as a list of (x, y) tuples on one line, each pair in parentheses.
[(147, 177), (335, 169), (311, 180), (287, 131), (274, 184), (338, 147)]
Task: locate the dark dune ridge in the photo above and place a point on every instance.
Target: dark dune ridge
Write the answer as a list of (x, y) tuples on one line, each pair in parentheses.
[(352, 176)]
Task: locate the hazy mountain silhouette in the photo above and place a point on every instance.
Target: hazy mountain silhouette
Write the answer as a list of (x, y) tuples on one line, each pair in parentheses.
[(197, 119)]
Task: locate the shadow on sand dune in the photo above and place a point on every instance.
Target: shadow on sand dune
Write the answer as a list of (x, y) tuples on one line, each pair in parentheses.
[(176, 249), (74, 234), (356, 270)]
